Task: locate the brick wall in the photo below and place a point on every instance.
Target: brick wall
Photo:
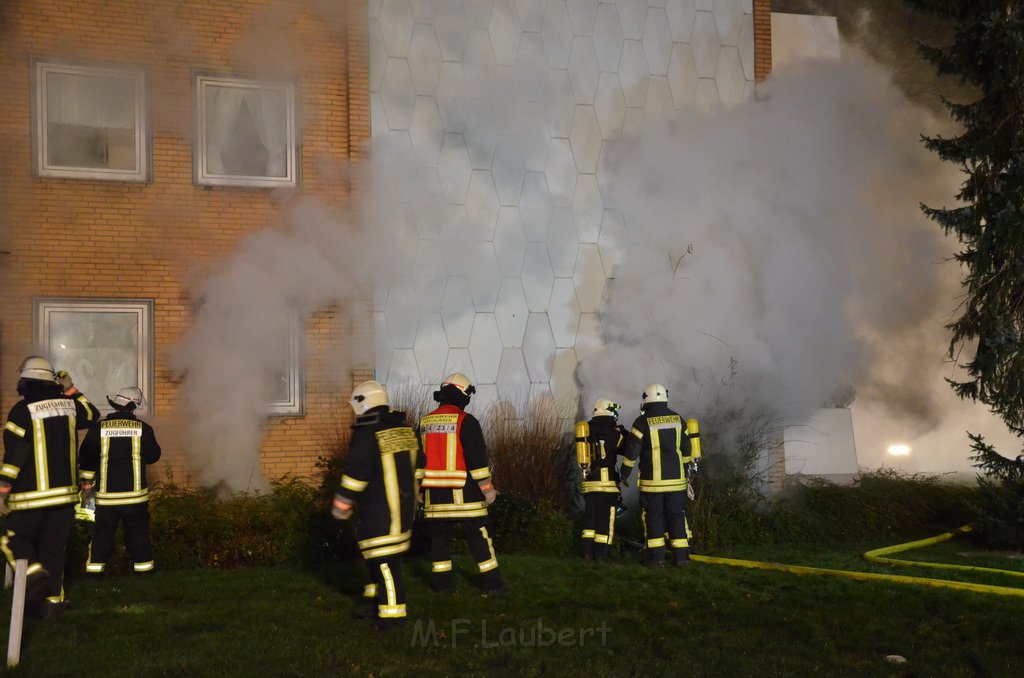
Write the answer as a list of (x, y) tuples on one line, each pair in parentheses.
[(99, 239), (762, 39)]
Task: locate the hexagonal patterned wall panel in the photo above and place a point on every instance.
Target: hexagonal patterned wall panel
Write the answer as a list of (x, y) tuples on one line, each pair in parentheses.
[(516, 244)]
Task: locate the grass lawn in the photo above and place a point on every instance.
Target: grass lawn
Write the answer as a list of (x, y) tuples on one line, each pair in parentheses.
[(562, 617)]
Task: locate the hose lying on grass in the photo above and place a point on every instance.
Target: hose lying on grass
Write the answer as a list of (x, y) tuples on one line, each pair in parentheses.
[(878, 556)]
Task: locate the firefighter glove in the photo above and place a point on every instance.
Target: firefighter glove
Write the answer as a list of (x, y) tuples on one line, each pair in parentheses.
[(64, 379), (624, 473), (689, 491), (5, 491), (341, 507), (490, 494)]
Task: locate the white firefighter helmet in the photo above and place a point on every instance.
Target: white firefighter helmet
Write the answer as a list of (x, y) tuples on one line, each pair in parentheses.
[(126, 396), (655, 393), (368, 395), (38, 368), (606, 408), (461, 382)]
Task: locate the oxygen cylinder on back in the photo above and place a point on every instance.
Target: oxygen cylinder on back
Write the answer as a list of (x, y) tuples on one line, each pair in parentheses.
[(693, 431), (583, 453)]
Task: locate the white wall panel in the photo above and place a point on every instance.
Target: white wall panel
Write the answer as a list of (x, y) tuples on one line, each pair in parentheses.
[(517, 236)]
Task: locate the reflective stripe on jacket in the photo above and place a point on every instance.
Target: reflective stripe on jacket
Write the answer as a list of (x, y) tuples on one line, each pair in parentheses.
[(379, 479), (115, 454), (451, 501), (660, 442), (445, 461), (41, 447)]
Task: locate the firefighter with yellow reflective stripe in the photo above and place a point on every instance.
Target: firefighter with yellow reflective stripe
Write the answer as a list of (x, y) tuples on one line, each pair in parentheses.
[(659, 440), (599, 443), (380, 479), (112, 468), (38, 479), (457, 487)]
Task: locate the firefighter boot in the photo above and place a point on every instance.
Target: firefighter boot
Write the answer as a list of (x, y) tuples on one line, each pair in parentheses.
[(655, 557), (384, 624), (366, 608), (442, 582), (682, 557), (492, 584)]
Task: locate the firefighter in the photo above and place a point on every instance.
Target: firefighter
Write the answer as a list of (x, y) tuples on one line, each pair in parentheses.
[(380, 479), (457, 487), (599, 443), (112, 469), (38, 479), (659, 439)]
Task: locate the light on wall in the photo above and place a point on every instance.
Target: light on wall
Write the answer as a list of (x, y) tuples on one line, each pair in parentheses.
[(899, 450)]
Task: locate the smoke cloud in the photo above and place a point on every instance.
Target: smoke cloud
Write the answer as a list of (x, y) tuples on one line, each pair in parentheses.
[(767, 257), (231, 359), (776, 256)]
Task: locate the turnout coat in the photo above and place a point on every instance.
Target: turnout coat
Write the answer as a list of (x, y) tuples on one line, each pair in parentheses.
[(380, 479)]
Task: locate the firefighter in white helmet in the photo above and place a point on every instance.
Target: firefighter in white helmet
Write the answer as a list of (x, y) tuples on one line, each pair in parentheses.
[(457, 487), (599, 444), (379, 484), (38, 479), (660, 441), (112, 468)]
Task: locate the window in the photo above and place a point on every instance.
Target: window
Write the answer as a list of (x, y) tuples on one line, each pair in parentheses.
[(104, 345), (287, 395), (270, 343), (89, 122), (245, 133)]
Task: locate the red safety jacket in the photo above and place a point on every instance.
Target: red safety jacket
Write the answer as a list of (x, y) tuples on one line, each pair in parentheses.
[(440, 432)]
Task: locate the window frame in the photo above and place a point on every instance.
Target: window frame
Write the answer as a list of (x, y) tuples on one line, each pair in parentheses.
[(295, 404), (200, 175), (43, 307), (142, 173)]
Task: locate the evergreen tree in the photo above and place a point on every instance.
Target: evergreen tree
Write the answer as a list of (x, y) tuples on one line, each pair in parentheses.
[(999, 507), (987, 55)]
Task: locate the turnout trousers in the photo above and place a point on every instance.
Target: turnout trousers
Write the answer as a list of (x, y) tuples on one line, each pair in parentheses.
[(664, 513), (598, 523), (40, 536), (480, 547), (386, 588), (136, 537)]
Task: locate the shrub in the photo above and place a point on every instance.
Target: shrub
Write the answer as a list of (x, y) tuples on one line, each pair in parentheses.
[(531, 453), (193, 527), (520, 525), (879, 504)]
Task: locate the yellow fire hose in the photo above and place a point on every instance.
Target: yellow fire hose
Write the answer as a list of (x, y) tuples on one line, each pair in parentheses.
[(877, 556)]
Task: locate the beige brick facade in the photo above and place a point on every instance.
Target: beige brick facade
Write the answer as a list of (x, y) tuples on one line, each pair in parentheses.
[(110, 240)]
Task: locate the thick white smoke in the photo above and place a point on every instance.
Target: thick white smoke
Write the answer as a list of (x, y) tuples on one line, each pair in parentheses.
[(233, 353), (766, 257), (776, 253)]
